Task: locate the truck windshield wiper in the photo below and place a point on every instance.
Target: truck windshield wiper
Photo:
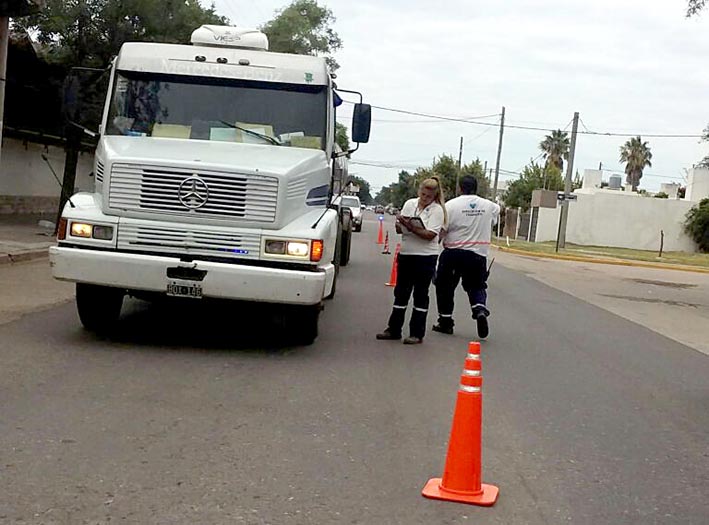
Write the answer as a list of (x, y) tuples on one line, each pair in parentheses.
[(263, 136)]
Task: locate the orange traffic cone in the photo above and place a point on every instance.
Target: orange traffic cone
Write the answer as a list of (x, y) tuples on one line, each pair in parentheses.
[(394, 266), (386, 244), (463, 471), (380, 239)]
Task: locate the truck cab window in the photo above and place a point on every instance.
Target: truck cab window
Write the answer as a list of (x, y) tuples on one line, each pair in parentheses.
[(198, 108)]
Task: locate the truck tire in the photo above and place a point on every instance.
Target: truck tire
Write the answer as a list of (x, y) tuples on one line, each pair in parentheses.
[(346, 235), (304, 323), (99, 307), (345, 248)]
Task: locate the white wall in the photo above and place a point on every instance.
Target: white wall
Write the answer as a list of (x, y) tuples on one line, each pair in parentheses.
[(698, 184), (620, 220), (547, 224), (24, 173), (592, 178)]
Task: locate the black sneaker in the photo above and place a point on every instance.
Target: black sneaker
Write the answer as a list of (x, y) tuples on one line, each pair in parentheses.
[(386, 335), (443, 329), (483, 328)]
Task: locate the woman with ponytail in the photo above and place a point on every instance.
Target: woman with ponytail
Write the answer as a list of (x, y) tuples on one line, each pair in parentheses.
[(420, 222)]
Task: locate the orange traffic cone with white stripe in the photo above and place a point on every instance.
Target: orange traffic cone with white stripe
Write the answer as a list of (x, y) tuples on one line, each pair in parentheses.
[(380, 238), (386, 244), (394, 266), (462, 477)]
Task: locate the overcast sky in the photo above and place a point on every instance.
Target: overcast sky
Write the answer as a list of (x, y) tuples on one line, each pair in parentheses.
[(630, 66)]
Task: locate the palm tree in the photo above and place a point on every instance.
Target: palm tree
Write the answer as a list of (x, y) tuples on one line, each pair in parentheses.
[(636, 155), (556, 149)]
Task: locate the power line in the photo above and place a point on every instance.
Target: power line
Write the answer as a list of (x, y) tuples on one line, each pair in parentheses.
[(468, 120), (533, 128)]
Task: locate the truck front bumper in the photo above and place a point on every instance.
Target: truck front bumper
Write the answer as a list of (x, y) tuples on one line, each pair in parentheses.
[(222, 280)]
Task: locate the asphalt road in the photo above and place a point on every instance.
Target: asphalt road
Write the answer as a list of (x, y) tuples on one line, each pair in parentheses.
[(201, 414)]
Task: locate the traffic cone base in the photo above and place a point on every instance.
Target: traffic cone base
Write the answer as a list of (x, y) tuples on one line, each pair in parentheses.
[(486, 498)]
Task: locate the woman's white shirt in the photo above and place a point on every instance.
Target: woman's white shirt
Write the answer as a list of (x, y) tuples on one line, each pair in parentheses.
[(432, 217)]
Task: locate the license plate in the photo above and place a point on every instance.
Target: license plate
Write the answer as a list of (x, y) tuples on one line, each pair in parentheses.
[(184, 289)]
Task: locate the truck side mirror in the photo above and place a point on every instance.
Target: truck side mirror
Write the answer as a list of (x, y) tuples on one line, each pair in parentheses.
[(361, 122)]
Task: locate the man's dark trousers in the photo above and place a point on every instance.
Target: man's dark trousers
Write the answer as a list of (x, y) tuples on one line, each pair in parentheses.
[(414, 273), (455, 265)]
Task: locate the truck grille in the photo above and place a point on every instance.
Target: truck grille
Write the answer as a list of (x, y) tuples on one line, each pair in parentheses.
[(193, 241), (157, 188)]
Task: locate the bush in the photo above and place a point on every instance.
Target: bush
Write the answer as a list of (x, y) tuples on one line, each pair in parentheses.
[(696, 224)]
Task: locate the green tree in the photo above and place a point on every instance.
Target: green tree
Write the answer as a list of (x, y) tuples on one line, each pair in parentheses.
[(341, 137), (694, 7), (383, 197), (445, 168), (91, 32), (304, 28), (637, 156), (533, 177), (555, 148), (697, 224), (661, 195)]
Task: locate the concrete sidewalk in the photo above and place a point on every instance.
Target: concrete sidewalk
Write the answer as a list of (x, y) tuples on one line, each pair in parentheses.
[(23, 238)]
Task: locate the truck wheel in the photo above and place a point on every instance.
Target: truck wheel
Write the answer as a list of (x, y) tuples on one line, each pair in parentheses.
[(345, 246), (305, 324), (99, 306)]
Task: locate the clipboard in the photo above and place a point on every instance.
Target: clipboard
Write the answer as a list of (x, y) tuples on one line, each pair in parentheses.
[(416, 221)]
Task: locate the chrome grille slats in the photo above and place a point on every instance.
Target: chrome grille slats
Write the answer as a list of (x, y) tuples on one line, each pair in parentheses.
[(241, 196), (192, 240)]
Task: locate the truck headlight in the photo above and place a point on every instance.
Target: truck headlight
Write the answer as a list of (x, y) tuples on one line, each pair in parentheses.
[(300, 248), (80, 229), (88, 231), (297, 249), (105, 233), (276, 247)]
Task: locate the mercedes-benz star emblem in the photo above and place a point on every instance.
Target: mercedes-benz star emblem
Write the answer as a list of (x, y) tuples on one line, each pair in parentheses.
[(193, 192)]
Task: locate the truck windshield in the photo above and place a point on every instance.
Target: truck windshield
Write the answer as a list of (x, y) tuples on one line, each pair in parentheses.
[(184, 107)]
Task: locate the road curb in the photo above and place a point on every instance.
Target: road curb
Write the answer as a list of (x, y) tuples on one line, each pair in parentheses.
[(24, 256), (600, 260)]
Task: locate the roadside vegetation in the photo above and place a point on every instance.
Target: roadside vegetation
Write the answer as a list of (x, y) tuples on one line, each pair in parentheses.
[(679, 258), (697, 225)]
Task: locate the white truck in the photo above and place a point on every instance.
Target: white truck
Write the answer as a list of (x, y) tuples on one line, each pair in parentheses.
[(214, 173)]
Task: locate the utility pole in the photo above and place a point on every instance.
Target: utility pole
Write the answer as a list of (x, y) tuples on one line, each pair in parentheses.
[(460, 162), (4, 42), (563, 217), (499, 153)]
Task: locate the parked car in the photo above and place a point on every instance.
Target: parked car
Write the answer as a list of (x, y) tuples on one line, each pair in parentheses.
[(352, 202)]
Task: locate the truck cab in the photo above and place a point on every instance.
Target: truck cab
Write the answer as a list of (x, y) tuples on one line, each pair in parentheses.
[(215, 170)]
